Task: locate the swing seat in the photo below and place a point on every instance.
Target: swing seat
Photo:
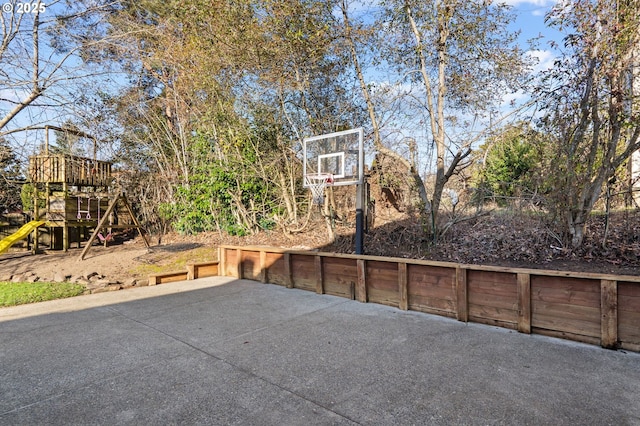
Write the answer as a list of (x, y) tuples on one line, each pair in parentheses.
[(102, 238)]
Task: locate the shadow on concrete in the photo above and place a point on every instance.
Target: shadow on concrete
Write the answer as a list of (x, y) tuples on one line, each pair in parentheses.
[(226, 351)]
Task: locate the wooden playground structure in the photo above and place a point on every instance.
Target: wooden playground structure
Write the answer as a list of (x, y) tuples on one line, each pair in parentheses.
[(74, 194)]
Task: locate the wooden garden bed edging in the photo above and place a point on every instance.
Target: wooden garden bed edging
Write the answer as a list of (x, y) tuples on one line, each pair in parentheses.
[(167, 277), (193, 271), (202, 270), (599, 309)]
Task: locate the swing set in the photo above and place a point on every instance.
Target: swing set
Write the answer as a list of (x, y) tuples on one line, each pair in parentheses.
[(109, 236), (73, 194), (87, 215), (120, 200)]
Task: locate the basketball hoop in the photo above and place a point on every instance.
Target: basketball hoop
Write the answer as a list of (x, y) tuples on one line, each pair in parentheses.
[(317, 182)]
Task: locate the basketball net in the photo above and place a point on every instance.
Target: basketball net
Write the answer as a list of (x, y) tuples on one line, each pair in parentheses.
[(318, 182)]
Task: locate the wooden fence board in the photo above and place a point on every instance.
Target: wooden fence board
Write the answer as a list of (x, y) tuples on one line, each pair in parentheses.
[(222, 256), (484, 312), (238, 268), (208, 270), (567, 305), (629, 314), (276, 268), (167, 277), (340, 276), (628, 327), (263, 267), (608, 313), (303, 269), (383, 286), (361, 285), (524, 303), (430, 304), (339, 266), (231, 263), (574, 291), (563, 310), (439, 292), (568, 325), (403, 287), (508, 291), (431, 283), (319, 279), (345, 289), (339, 281), (288, 272), (487, 299), (503, 288), (428, 271), (506, 286), (382, 297), (493, 296), (462, 294), (439, 285), (385, 273), (561, 295), (432, 275), (631, 290), (251, 265), (492, 277), (202, 270)]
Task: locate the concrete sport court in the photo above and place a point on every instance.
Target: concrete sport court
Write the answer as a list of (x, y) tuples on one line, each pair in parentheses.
[(222, 351)]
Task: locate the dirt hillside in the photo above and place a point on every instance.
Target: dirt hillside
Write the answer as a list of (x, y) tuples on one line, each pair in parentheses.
[(497, 239)]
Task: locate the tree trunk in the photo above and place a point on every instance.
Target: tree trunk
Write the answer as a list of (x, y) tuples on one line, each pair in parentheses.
[(285, 196), (328, 216), (576, 225), (577, 218), (377, 140), (435, 102)]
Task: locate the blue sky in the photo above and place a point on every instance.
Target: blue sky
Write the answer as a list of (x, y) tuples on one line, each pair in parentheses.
[(531, 14), (530, 21)]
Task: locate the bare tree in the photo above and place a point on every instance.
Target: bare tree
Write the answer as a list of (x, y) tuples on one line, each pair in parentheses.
[(45, 52), (458, 59), (591, 105)]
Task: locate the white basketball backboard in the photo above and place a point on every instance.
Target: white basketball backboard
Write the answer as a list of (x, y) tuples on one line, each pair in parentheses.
[(340, 154)]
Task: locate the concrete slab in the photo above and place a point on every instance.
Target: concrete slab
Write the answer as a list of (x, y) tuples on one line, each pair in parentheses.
[(225, 351)]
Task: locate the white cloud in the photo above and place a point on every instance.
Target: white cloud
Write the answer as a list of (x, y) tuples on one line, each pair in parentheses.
[(545, 59), (514, 98), (534, 7), (9, 95), (537, 3)]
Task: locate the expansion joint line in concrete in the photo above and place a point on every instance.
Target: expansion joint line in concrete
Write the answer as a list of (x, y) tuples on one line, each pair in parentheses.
[(238, 367)]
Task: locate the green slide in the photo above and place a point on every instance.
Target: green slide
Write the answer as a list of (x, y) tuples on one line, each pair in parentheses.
[(20, 234)]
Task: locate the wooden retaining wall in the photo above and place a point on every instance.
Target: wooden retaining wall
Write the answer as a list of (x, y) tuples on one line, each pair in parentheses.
[(593, 308), (191, 272)]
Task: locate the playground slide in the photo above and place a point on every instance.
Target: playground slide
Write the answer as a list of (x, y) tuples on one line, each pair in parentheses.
[(20, 234)]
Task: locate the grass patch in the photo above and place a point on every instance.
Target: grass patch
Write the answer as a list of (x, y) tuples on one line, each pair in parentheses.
[(12, 294), (148, 269)]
